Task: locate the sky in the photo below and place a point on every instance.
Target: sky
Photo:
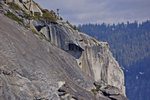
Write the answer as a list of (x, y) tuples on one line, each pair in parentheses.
[(99, 11)]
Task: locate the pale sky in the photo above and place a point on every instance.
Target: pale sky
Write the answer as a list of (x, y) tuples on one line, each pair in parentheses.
[(99, 11)]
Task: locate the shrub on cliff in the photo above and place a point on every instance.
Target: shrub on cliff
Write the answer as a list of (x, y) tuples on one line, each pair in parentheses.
[(36, 16), (13, 6), (48, 16), (14, 17), (73, 27), (0, 3), (27, 15), (70, 24), (79, 29)]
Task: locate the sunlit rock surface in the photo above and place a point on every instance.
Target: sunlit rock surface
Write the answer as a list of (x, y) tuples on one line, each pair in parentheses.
[(70, 66), (93, 57)]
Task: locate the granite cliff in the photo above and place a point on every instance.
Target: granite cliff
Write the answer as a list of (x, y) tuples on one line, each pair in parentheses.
[(93, 57), (56, 62)]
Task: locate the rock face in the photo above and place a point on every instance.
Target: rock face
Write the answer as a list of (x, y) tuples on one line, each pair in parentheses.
[(93, 57), (72, 66), (27, 5), (31, 68)]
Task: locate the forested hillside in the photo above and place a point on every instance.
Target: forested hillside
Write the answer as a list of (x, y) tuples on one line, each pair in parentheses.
[(130, 44)]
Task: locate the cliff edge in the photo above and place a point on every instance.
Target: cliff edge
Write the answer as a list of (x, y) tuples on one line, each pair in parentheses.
[(56, 62)]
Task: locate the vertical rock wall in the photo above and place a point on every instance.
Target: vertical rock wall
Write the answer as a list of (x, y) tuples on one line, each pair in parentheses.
[(93, 57)]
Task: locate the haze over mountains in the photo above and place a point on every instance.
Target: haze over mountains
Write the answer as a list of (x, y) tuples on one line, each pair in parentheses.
[(98, 11)]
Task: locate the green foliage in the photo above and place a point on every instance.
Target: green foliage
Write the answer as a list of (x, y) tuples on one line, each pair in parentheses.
[(36, 16), (75, 98), (61, 18), (14, 17), (93, 40), (27, 16), (69, 24), (97, 88), (79, 29), (27, 26), (73, 27), (63, 23), (48, 40), (0, 3), (13, 6), (34, 31), (48, 16), (106, 87), (44, 38), (40, 36), (95, 37), (30, 15), (53, 13), (66, 86), (94, 91)]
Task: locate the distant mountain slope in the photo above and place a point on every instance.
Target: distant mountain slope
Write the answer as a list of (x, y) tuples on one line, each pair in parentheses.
[(138, 81), (130, 44)]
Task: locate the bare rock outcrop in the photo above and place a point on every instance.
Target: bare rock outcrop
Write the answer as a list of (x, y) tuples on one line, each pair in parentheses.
[(26, 5), (93, 57), (65, 65), (31, 68)]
